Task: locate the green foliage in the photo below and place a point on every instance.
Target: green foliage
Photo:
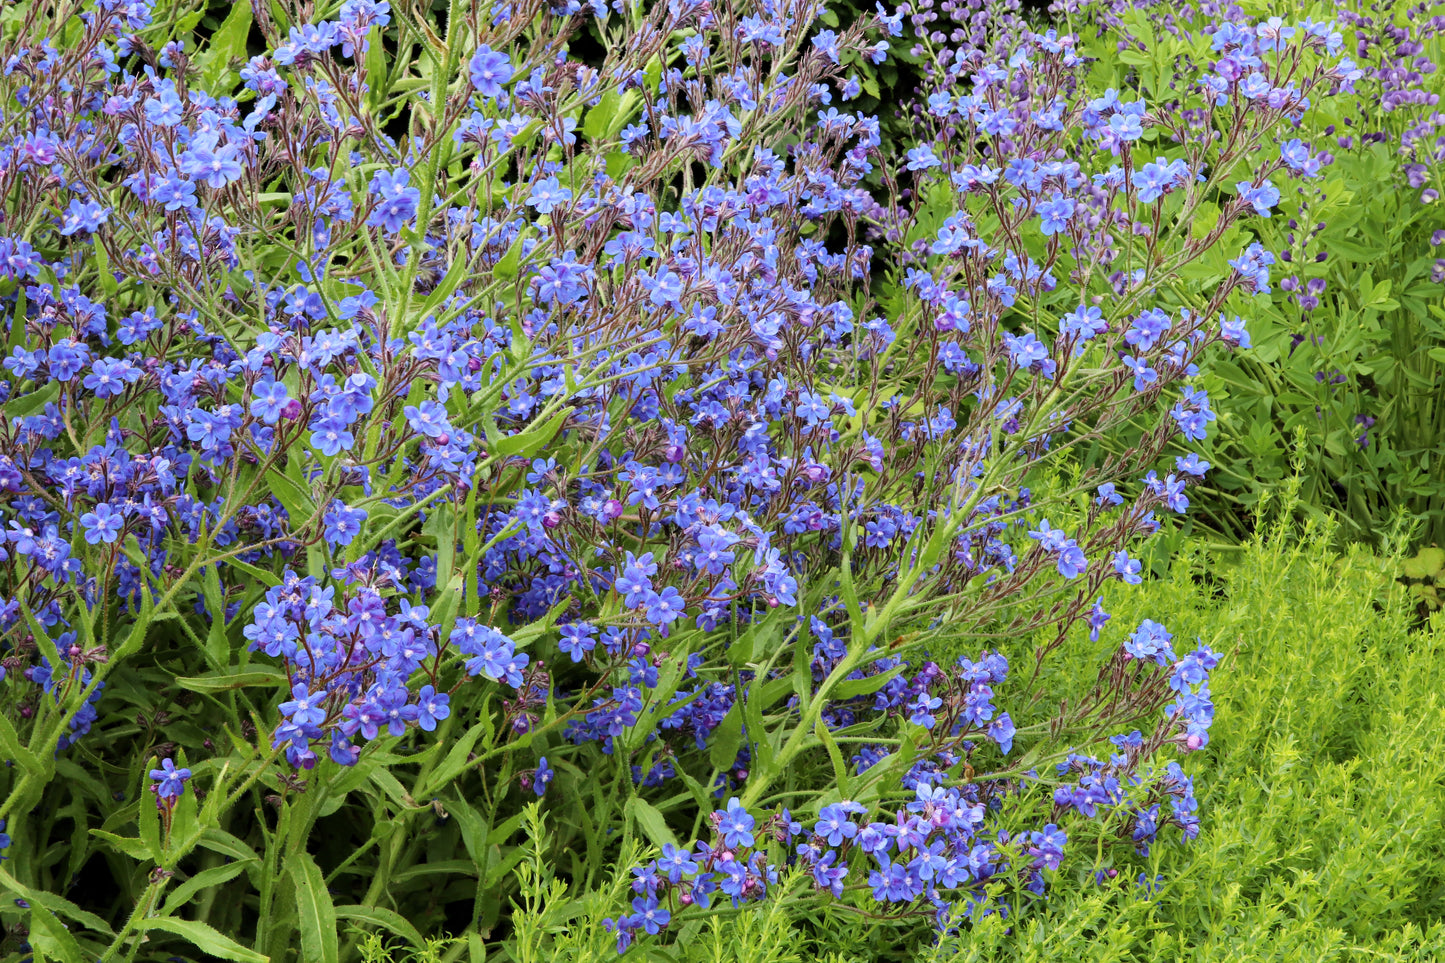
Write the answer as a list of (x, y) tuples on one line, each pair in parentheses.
[(1323, 837), (1369, 350), (1358, 375), (1424, 575)]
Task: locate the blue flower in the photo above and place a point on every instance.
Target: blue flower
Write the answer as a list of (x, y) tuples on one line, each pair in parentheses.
[(834, 825), (827, 876), (921, 711), (734, 824), (102, 525), (548, 194), (170, 782), (542, 777), (577, 640), (1262, 197), (922, 158), (1056, 214), (1150, 642), (664, 607), (396, 203), (488, 70), (304, 708), (432, 707), (269, 400)]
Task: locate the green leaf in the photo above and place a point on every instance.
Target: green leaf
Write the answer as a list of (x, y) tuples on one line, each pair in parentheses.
[(840, 768), (132, 847), (105, 275), (653, 825), (530, 442), (318, 915), (727, 738), (50, 937), (507, 266), (233, 679), (441, 524), (219, 841), (430, 870), (599, 118), (376, 67), (150, 822), (456, 759), (385, 918), (229, 41), (214, 876), (188, 22), (461, 267), (473, 829), (31, 401), (217, 647), (393, 788), (12, 748), (205, 938), (855, 687), (1427, 563)]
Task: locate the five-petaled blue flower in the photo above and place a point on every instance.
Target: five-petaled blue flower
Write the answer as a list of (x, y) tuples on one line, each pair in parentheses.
[(170, 782)]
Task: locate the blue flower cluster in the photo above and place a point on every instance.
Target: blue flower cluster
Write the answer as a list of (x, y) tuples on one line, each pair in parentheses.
[(937, 854)]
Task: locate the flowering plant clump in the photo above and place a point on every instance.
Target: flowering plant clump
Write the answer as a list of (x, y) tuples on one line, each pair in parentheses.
[(935, 852), (600, 353)]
